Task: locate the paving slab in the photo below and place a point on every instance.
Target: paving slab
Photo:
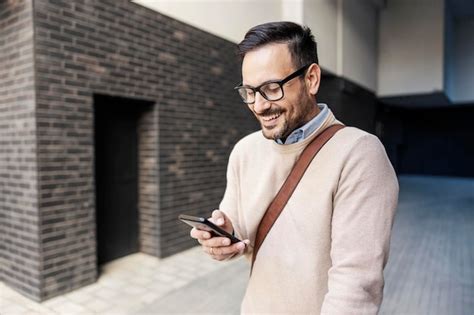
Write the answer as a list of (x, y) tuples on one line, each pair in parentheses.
[(218, 292), (430, 269)]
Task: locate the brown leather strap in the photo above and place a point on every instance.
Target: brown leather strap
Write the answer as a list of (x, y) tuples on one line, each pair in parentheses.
[(286, 190)]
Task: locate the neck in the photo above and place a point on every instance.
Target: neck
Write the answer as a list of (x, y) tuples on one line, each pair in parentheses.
[(311, 114)]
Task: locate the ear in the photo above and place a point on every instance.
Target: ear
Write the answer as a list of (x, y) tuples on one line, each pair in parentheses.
[(312, 79)]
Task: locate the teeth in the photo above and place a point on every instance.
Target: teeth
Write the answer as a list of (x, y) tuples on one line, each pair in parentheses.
[(271, 117)]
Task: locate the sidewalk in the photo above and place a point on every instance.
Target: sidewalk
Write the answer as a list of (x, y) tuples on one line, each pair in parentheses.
[(142, 284), (429, 271)]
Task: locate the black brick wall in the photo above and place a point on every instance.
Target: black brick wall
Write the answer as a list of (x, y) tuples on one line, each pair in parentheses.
[(19, 244), (430, 141), (120, 49), (350, 103)]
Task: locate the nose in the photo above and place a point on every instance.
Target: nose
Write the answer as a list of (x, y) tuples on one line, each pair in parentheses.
[(261, 104)]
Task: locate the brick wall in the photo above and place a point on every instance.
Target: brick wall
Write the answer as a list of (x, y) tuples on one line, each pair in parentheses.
[(350, 103), (19, 246), (116, 48), (434, 140), (119, 48)]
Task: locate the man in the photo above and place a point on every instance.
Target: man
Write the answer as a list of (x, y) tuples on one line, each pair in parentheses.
[(327, 250)]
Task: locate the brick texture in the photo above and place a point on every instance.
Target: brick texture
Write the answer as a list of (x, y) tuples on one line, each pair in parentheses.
[(430, 141), (115, 48), (19, 244), (350, 103)]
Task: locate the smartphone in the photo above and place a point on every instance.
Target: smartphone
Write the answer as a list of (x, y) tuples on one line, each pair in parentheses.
[(206, 225)]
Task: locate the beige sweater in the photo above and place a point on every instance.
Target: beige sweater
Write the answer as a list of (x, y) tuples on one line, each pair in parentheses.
[(327, 250)]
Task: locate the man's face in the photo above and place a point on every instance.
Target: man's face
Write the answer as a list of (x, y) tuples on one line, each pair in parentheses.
[(277, 118)]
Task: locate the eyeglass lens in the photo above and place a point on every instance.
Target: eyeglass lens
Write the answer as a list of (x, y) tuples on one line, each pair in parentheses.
[(271, 92)]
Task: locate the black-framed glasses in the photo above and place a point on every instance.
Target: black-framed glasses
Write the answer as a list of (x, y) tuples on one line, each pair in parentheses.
[(270, 90)]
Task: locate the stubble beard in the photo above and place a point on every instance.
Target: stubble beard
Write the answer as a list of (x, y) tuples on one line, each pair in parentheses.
[(278, 134), (289, 124)]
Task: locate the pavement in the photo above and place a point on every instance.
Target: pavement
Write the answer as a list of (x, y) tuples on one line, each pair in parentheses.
[(185, 283), (430, 270)]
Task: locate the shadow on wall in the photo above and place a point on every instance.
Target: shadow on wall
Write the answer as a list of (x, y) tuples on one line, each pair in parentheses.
[(430, 141), (350, 103)]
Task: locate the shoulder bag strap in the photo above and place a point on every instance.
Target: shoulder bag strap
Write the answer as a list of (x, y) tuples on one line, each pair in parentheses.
[(286, 190)]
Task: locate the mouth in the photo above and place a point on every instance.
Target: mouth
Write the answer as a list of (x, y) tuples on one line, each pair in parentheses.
[(271, 117)]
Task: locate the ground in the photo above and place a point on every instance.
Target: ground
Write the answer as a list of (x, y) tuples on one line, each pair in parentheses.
[(430, 269)]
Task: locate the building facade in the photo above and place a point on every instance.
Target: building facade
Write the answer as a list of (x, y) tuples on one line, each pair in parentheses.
[(113, 120)]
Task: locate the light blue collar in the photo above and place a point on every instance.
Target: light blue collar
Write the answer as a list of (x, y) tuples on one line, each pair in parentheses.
[(304, 131)]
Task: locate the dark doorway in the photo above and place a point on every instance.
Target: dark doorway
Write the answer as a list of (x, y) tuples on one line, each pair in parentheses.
[(116, 175)]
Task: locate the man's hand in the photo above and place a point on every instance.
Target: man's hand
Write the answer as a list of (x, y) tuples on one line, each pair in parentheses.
[(219, 248)]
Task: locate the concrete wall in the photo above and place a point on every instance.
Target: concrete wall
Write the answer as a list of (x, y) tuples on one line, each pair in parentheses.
[(229, 19), (411, 47), (292, 10), (463, 78), (20, 249), (449, 51), (322, 16), (346, 30), (393, 48), (359, 43)]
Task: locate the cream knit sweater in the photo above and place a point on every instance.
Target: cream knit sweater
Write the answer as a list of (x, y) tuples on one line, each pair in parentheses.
[(327, 250)]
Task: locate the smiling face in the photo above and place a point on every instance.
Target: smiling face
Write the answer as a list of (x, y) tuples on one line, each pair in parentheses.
[(279, 118)]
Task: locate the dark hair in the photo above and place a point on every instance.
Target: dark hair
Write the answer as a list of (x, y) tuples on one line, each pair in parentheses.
[(299, 39)]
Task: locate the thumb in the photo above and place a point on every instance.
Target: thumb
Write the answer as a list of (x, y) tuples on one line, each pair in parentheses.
[(218, 217)]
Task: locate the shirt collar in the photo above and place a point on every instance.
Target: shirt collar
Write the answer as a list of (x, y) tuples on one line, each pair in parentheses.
[(304, 131)]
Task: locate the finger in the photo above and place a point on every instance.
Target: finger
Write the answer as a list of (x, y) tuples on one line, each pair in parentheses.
[(239, 249), (209, 250), (242, 248), (226, 250), (216, 242), (218, 217), (199, 235)]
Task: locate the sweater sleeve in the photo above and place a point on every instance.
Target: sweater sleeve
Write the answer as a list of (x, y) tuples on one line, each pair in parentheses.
[(364, 206), (229, 204)]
